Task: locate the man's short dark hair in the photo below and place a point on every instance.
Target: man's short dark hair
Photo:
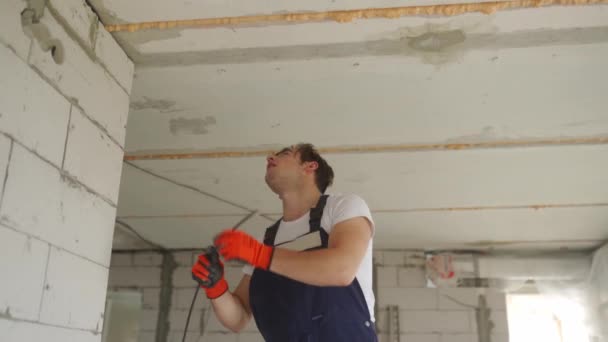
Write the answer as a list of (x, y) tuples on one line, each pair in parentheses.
[(324, 175)]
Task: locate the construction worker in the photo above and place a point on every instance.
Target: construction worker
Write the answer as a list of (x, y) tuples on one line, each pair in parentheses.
[(311, 277)]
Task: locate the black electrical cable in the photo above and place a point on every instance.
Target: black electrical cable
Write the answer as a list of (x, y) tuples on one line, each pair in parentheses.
[(236, 226), (190, 313)]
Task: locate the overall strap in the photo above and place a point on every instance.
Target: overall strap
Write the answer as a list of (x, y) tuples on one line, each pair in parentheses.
[(271, 233), (316, 214), (314, 222)]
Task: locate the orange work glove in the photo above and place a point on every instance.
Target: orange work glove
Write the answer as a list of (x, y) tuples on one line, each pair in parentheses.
[(209, 273), (238, 245)]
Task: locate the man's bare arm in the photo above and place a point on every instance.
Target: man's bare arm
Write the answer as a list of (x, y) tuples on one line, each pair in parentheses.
[(232, 309), (336, 265)]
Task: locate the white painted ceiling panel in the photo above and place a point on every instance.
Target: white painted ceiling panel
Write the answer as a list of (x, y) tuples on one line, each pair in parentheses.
[(239, 180), (524, 80), (487, 228), (406, 181), (483, 96), (472, 229), (477, 177), (142, 194)]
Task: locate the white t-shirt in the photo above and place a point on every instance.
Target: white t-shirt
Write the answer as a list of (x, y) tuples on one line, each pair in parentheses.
[(337, 209)]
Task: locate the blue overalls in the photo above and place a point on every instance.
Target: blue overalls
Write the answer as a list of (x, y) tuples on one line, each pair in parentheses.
[(286, 310)]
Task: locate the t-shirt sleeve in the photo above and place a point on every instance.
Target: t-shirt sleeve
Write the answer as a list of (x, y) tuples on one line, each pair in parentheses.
[(248, 270), (350, 206)]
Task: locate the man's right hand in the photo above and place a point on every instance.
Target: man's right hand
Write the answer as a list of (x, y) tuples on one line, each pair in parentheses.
[(209, 273)]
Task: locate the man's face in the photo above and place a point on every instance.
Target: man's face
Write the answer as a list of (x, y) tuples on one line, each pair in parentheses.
[(283, 168)]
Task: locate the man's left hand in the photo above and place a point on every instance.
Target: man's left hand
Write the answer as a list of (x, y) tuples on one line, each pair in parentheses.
[(238, 245)]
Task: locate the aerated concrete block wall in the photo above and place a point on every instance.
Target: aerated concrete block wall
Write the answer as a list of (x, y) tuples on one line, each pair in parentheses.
[(62, 130), (426, 314), (431, 314), (141, 272)]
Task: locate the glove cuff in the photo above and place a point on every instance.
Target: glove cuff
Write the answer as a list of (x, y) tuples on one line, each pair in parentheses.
[(265, 257), (219, 289)]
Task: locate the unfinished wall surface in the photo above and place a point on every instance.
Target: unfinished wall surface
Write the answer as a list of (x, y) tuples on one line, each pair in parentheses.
[(426, 314), (142, 272), (62, 129), (431, 314)]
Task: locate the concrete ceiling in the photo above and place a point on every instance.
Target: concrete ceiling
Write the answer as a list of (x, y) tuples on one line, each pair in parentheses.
[(472, 131)]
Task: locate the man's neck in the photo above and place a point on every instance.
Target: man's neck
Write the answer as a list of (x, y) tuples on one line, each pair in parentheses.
[(298, 203)]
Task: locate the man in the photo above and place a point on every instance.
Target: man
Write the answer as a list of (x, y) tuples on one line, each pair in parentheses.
[(311, 278)]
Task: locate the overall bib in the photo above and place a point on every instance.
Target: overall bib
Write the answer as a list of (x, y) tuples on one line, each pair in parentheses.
[(286, 310)]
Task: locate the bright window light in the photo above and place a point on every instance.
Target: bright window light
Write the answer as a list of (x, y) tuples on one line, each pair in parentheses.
[(534, 317)]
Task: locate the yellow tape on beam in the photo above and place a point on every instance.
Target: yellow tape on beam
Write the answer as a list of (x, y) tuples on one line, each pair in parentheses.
[(350, 15)]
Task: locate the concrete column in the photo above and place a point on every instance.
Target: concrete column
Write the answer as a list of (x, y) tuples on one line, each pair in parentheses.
[(64, 99)]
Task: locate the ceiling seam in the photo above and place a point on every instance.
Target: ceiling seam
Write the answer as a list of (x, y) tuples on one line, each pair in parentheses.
[(192, 188), (133, 231), (347, 16), (397, 211), (497, 207), (383, 148)]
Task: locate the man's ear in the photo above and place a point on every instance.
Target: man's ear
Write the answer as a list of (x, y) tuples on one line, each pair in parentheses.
[(311, 166)]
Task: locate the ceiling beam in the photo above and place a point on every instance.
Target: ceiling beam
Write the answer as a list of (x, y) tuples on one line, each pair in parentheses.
[(346, 16), (411, 210), (379, 148)]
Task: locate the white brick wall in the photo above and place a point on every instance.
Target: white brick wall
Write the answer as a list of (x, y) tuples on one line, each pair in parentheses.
[(12, 331), (182, 298), (147, 259), (121, 259), (177, 320), (408, 298), (10, 28), (450, 298), (413, 338), (31, 203), (387, 276), (434, 321), (5, 151), (74, 292), (90, 156), (114, 59), (84, 79), (63, 204), (185, 258), (33, 112), (146, 336), (151, 298), (23, 264), (80, 18), (56, 226), (411, 277), (83, 209), (148, 320), (426, 314), (134, 277), (182, 277), (142, 271)]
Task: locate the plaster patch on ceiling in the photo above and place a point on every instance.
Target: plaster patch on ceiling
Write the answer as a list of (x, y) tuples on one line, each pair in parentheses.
[(148, 103), (437, 41), (449, 48), (196, 126)]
